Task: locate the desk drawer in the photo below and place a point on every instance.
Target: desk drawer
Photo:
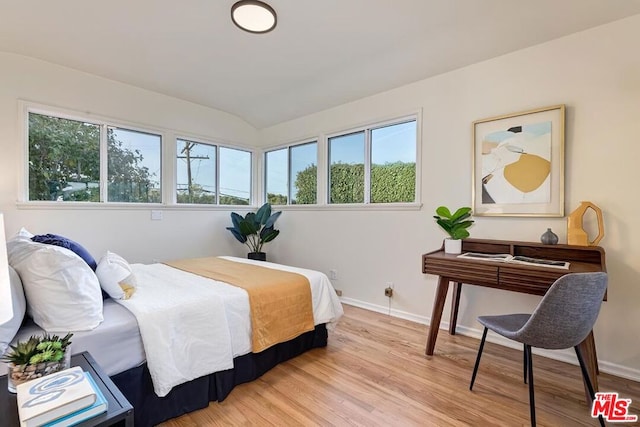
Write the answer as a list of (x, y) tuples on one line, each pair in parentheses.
[(475, 273), (530, 280)]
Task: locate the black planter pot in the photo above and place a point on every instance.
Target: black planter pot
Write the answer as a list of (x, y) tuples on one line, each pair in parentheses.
[(258, 256)]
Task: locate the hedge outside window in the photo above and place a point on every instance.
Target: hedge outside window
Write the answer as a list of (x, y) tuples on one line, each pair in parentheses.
[(291, 174), (374, 165)]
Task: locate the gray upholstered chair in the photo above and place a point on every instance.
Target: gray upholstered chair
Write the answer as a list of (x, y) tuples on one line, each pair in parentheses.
[(563, 319)]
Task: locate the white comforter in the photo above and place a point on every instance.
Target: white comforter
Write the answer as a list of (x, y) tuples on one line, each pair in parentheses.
[(218, 316), (183, 326)]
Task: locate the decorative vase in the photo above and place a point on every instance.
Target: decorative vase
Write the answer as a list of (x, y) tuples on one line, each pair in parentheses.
[(452, 246), (549, 237), (258, 256), (18, 374), (576, 234)]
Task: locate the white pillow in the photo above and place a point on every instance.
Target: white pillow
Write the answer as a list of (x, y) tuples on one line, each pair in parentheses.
[(62, 292), (115, 276), (8, 329)]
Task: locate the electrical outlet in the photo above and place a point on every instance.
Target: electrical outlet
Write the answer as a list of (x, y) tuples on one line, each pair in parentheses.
[(388, 292), (333, 274)]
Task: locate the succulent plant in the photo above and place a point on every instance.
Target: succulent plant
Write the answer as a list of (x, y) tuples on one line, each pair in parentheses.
[(38, 349)]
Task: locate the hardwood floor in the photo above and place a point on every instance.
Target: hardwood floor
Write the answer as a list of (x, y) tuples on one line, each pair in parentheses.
[(374, 373)]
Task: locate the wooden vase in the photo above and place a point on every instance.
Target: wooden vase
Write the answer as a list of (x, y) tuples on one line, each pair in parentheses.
[(576, 234)]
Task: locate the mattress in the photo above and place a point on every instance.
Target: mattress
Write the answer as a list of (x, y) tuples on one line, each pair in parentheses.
[(115, 344)]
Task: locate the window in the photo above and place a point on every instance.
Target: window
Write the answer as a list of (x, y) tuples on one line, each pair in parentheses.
[(291, 174), (393, 163), (346, 168), (374, 165), (196, 172), (235, 176), (65, 162), (197, 177), (134, 166)]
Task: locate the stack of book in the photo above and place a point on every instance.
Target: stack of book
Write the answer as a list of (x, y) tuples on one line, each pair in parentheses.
[(62, 399)]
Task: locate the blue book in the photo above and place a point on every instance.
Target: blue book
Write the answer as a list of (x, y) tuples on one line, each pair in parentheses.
[(77, 417)]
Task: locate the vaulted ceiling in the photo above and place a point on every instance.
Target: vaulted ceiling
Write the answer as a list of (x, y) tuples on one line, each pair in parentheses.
[(323, 53)]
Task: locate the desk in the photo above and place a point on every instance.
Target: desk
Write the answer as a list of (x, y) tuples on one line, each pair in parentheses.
[(507, 276), (119, 412)]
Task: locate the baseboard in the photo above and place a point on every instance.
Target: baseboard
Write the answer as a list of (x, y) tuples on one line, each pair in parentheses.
[(385, 310), (567, 356)]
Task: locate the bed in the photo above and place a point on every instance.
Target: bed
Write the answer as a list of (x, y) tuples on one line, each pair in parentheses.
[(117, 342)]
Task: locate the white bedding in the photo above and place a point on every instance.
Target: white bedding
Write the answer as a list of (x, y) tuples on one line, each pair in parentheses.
[(116, 343), (183, 326), (219, 316)]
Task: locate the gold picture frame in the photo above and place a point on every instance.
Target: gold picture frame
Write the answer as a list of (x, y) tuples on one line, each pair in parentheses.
[(518, 164)]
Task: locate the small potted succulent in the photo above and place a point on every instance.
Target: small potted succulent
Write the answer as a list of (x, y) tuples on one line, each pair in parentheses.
[(455, 224), (255, 229), (36, 357)]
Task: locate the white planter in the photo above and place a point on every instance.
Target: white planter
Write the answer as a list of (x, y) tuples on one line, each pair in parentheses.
[(452, 246)]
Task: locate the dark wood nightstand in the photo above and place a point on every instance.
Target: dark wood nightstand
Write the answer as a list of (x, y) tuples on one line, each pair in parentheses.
[(119, 412)]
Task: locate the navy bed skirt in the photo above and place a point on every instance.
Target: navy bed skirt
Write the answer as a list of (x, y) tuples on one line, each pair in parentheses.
[(149, 409)]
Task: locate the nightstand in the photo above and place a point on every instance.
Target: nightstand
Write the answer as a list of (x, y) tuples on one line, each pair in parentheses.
[(119, 412)]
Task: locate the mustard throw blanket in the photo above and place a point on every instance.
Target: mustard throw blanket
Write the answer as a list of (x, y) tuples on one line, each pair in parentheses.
[(280, 301)]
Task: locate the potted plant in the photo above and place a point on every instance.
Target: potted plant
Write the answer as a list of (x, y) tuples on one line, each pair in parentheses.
[(255, 229), (36, 357), (455, 225)]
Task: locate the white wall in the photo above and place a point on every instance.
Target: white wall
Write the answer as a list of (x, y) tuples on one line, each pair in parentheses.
[(597, 75), (128, 232)]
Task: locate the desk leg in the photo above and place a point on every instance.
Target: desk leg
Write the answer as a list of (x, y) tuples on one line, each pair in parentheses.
[(588, 350), (436, 314), (455, 302)]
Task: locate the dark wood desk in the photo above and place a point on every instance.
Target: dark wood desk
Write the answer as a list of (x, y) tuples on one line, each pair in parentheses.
[(119, 411), (507, 276)]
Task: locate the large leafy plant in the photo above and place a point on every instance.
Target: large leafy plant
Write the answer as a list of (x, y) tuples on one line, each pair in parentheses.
[(255, 229), (455, 224)]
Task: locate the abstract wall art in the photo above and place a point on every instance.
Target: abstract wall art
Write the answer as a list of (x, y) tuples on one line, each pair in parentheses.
[(518, 164)]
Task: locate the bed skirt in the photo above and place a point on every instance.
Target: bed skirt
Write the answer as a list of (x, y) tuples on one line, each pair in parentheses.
[(149, 409)]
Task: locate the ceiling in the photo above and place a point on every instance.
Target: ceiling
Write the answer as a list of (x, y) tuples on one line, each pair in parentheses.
[(323, 53)]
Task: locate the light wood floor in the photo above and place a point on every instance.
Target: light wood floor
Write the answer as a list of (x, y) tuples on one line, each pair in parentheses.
[(374, 372)]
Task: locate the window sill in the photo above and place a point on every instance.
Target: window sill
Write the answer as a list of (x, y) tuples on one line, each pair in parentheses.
[(352, 207), (196, 207), (127, 206)]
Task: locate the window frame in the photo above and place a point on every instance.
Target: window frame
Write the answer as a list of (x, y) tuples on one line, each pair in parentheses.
[(104, 125), (218, 146), (367, 130), (167, 179), (289, 147)]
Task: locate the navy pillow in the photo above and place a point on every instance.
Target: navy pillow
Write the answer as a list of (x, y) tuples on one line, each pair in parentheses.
[(77, 248)]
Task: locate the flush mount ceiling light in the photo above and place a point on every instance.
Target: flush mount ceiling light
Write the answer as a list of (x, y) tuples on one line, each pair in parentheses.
[(254, 16)]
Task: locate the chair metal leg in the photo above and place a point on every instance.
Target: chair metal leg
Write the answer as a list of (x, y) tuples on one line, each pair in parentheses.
[(475, 368), (532, 401), (524, 357), (587, 379)]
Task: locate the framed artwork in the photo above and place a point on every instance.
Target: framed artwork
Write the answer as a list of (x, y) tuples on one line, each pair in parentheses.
[(518, 164)]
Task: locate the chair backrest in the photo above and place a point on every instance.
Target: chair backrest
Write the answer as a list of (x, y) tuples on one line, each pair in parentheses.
[(567, 312)]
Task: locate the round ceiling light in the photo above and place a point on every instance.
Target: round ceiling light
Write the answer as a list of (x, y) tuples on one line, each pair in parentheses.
[(254, 16)]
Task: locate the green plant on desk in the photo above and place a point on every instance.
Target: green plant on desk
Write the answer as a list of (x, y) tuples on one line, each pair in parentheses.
[(455, 224)]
